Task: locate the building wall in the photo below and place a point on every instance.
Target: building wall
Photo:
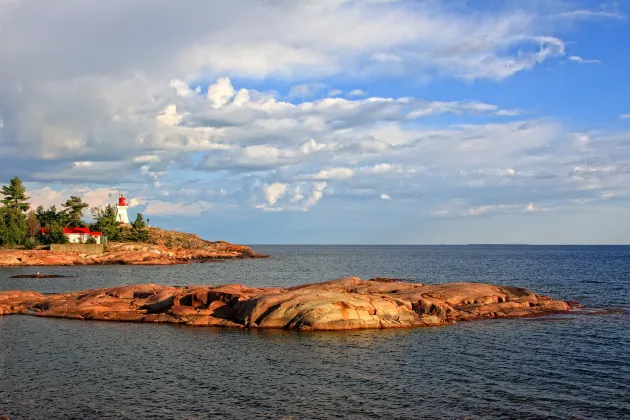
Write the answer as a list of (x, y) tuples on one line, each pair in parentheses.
[(82, 248), (79, 238)]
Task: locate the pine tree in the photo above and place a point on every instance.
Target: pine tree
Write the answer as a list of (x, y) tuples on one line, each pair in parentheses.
[(51, 215), (14, 226), (74, 207), (15, 195), (54, 234), (140, 233), (105, 221)]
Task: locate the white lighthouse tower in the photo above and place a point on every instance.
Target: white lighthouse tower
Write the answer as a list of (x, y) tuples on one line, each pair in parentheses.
[(121, 210)]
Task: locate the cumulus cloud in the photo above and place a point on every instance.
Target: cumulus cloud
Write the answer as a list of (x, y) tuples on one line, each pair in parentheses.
[(385, 197), (201, 109), (274, 192), (220, 92), (289, 197)]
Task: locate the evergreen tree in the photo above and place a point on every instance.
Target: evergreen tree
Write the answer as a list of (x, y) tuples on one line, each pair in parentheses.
[(139, 223), (15, 195), (105, 221), (13, 227), (46, 217), (73, 211), (54, 234), (140, 233)]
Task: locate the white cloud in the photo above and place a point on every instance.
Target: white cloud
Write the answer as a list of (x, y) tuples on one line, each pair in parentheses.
[(170, 116), (581, 60), (625, 116), (586, 14), (305, 90), (220, 92), (182, 88), (274, 192), (385, 197), (357, 92), (126, 109), (146, 158), (331, 173), (95, 197), (286, 197)]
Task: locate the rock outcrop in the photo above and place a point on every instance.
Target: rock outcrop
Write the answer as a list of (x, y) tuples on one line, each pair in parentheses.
[(344, 304), (129, 253)]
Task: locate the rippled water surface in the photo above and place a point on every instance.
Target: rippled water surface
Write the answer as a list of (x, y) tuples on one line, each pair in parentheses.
[(570, 366)]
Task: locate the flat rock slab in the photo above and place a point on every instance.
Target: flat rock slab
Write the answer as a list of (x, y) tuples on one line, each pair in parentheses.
[(344, 304)]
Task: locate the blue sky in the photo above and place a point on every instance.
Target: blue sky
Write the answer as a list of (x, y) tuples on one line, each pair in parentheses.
[(328, 121)]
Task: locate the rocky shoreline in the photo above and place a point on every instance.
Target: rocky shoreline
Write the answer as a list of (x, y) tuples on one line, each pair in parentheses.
[(128, 254), (343, 304)]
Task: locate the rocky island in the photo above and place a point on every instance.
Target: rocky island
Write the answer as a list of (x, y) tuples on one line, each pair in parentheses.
[(343, 304), (163, 247), (39, 237)]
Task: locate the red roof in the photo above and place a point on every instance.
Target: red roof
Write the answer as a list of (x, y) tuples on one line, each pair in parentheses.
[(77, 231)]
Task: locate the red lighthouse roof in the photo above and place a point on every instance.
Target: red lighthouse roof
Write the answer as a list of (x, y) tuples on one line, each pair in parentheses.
[(122, 201)]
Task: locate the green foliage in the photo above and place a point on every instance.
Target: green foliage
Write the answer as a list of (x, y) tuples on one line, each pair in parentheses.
[(51, 215), (74, 208), (139, 222), (16, 228), (12, 227), (105, 221), (139, 230), (15, 195), (54, 234), (91, 240), (31, 243)]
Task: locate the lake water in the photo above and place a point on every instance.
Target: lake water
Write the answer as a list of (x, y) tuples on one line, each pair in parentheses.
[(568, 366)]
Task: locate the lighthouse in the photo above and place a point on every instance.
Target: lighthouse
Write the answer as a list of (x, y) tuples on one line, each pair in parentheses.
[(121, 210)]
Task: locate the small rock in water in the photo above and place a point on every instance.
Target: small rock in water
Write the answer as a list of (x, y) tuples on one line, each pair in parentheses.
[(38, 276)]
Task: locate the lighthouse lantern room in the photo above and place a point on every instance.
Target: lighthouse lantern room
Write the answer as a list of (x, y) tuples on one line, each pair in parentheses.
[(121, 210)]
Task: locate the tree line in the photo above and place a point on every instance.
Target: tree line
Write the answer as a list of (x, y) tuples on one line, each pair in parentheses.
[(21, 226)]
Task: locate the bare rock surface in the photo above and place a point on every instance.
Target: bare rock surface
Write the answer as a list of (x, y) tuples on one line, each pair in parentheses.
[(129, 254), (343, 304)]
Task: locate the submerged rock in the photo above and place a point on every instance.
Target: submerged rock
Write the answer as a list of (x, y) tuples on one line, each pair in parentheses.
[(39, 276), (343, 304)]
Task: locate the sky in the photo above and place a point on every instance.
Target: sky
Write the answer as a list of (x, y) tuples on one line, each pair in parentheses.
[(327, 121)]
